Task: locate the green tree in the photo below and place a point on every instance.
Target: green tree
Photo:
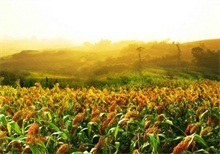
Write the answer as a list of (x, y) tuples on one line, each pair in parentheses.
[(206, 58)]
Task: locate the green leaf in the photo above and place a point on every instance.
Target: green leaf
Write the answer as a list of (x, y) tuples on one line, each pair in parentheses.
[(48, 115), (66, 117), (154, 143), (117, 145), (77, 152), (89, 127), (102, 114), (68, 123), (20, 139), (84, 129), (66, 134), (92, 150), (212, 149), (15, 127), (200, 140), (53, 126), (201, 151), (168, 122), (57, 133), (200, 117), (9, 128), (81, 136), (22, 127), (178, 138), (146, 144), (35, 149), (119, 114), (116, 131), (133, 144), (124, 119), (162, 135), (216, 112), (42, 145), (3, 119), (95, 136)]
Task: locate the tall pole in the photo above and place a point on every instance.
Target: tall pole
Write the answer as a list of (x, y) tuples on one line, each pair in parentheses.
[(178, 53), (139, 49)]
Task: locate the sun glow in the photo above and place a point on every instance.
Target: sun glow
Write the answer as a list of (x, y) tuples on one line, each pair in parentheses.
[(84, 20)]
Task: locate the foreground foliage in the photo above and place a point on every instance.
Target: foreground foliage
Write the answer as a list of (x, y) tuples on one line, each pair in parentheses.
[(147, 119)]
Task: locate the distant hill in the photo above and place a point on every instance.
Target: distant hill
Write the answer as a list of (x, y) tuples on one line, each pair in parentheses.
[(213, 44), (100, 58)]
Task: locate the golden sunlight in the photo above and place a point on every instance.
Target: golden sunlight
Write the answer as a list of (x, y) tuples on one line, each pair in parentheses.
[(81, 21)]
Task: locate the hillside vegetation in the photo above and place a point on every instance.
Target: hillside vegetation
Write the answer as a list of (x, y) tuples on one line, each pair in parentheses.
[(106, 59)]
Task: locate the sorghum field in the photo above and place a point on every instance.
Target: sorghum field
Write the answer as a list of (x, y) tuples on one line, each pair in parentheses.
[(129, 119)]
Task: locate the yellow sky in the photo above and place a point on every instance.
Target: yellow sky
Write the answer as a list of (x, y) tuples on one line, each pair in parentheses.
[(92, 20)]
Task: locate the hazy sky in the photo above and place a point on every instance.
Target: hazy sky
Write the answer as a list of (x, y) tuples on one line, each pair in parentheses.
[(92, 20)]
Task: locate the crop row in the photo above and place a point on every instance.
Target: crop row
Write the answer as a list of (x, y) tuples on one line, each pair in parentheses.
[(121, 120)]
